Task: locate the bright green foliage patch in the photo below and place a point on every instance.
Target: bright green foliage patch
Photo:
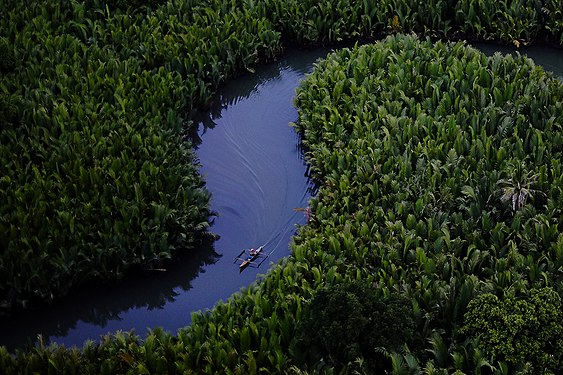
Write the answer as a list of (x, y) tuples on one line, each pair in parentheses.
[(520, 329)]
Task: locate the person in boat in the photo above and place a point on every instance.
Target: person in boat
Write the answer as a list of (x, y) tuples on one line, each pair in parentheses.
[(253, 251)]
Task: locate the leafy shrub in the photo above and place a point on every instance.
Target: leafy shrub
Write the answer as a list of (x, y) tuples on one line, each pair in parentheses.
[(520, 329), (9, 113), (7, 60), (552, 13), (509, 21), (132, 6)]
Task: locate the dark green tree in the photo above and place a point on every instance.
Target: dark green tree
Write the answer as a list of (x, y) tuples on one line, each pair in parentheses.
[(353, 320)]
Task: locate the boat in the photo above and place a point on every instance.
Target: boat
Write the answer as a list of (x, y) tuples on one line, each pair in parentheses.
[(252, 254)]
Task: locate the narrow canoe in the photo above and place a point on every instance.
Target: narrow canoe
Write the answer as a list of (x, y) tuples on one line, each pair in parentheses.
[(250, 258)]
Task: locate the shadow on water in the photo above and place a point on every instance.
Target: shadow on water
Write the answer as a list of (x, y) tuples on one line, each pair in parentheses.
[(248, 84), (99, 305), (228, 97)]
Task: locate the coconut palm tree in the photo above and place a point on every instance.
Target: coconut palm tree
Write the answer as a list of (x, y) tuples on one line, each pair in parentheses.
[(516, 189)]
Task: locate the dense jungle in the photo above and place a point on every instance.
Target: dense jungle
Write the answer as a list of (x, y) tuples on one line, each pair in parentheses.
[(435, 240)]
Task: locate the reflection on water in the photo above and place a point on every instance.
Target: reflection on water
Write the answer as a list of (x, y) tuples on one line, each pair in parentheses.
[(102, 305), (255, 172), (254, 169), (250, 85)]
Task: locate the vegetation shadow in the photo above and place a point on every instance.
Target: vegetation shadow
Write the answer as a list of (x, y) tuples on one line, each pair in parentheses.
[(98, 304)]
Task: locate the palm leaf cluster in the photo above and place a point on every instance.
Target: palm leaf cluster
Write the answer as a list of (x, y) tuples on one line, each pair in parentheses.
[(419, 150), (440, 174), (329, 21), (411, 143), (95, 176)]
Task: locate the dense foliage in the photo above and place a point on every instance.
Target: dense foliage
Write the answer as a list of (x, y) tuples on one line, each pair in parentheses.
[(94, 95), (351, 320), (520, 330), (329, 21), (440, 173), (95, 176), (420, 150)]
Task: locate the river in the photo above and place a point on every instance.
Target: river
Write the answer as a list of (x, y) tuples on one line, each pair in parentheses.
[(254, 168)]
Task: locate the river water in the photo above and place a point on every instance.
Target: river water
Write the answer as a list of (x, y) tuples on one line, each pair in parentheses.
[(254, 168), (255, 171)]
